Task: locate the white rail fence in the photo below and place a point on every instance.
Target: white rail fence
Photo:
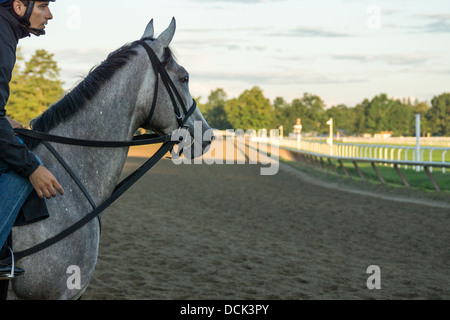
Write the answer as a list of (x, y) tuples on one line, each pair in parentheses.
[(373, 152), (314, 152)]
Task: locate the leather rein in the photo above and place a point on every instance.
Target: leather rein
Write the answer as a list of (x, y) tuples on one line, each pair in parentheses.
[(147, 139)]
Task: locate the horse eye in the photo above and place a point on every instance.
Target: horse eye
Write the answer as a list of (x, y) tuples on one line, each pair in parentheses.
[(185, 80)]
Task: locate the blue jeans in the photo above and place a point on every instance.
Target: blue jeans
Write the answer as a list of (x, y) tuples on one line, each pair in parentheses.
[(14, 190)]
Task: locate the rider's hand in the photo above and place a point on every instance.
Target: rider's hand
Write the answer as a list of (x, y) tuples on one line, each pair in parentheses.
[(14, 124), (45, 183)]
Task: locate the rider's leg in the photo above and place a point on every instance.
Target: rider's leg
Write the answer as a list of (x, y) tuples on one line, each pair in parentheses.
[(14, 190)]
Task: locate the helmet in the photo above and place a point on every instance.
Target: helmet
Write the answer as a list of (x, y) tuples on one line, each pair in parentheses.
[(25, 20), (10, 2)]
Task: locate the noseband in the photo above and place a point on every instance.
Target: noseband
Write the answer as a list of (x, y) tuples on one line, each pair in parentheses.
[(147, 139)]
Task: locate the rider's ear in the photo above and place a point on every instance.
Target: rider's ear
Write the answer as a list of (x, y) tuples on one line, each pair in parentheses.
[(19, 8), (166, 37), (149, 31)]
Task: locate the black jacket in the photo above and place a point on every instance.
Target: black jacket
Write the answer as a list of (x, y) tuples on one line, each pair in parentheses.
[(12, 152)]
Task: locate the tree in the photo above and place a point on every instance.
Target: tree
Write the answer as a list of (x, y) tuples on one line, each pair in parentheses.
[(34, 87), (376, 114), (287, 114), (343, 118), (279, 103), (439, 115), (315, 113), (214, 110), (253, 111), (250, 111), (400, 119), (359, 122)]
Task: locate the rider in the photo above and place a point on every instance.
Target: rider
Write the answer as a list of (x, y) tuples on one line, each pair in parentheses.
[(20, 170)]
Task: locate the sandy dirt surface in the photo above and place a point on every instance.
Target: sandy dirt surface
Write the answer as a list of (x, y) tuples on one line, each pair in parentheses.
[(227, 232)]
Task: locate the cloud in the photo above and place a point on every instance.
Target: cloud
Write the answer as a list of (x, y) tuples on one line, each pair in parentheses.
[(225, 29), (265, 78), (311, 32), (82, 55), (239, 1), (392, 59), (440, 23), (434, 23)]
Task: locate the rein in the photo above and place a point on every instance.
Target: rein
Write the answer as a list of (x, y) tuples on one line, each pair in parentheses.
[(147, 139)]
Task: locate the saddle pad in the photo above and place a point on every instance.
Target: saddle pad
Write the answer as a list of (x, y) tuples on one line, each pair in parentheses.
[(33, 210)]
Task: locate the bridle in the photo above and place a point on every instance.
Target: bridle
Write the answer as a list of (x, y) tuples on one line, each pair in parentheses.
[(167, 141), (159, 70)]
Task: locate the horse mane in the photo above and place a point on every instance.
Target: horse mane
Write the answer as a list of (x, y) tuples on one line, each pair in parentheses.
[(87, 89)]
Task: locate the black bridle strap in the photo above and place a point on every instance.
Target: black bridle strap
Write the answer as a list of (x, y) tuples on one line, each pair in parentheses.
[(168, 83), (70, 172), (155, 98), (191, 111), (141, 140), (155, 94)]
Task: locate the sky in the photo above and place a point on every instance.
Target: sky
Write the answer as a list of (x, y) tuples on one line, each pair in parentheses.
[(341, 50)]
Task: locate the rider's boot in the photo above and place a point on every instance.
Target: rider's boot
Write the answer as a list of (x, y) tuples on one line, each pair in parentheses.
[(7, 274)]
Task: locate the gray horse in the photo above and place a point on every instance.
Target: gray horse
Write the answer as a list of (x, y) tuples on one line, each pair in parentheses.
[(110, 104)]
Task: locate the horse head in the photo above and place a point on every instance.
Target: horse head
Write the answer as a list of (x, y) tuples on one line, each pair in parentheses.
[(173, 110)]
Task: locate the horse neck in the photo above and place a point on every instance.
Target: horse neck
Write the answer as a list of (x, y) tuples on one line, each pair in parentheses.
[(112, 115)]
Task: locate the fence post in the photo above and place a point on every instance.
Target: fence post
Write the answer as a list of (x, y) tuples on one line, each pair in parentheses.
[(343, 169), (330, 139), (359, 171), (418, 141), (436, 186), (405, 182), (378, 173)]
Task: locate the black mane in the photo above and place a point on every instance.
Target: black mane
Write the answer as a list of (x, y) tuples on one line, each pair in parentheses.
[(85, 91)]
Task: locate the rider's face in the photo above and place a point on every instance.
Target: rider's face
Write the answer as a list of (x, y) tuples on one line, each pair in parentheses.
[(40, 16)]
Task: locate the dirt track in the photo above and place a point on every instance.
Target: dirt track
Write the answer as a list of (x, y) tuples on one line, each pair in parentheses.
[(226, 232)]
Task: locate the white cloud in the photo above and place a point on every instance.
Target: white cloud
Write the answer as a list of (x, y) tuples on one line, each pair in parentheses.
[(309, 31), (391, 59)]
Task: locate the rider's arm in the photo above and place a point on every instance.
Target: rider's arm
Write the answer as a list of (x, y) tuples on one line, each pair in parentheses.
[(12, 152)]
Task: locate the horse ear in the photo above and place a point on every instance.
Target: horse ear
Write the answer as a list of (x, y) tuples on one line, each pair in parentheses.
[(149, 31), (166, 37)]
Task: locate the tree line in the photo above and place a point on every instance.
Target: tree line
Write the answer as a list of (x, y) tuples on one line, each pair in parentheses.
[(251, 110), (36, 85)]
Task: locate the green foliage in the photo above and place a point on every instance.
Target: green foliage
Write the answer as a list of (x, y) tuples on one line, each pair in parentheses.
[(439, 114), (34, 86), (251, 110), (214, 110)]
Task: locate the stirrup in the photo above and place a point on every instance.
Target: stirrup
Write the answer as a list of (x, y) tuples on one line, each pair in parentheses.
[(11, 276)]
